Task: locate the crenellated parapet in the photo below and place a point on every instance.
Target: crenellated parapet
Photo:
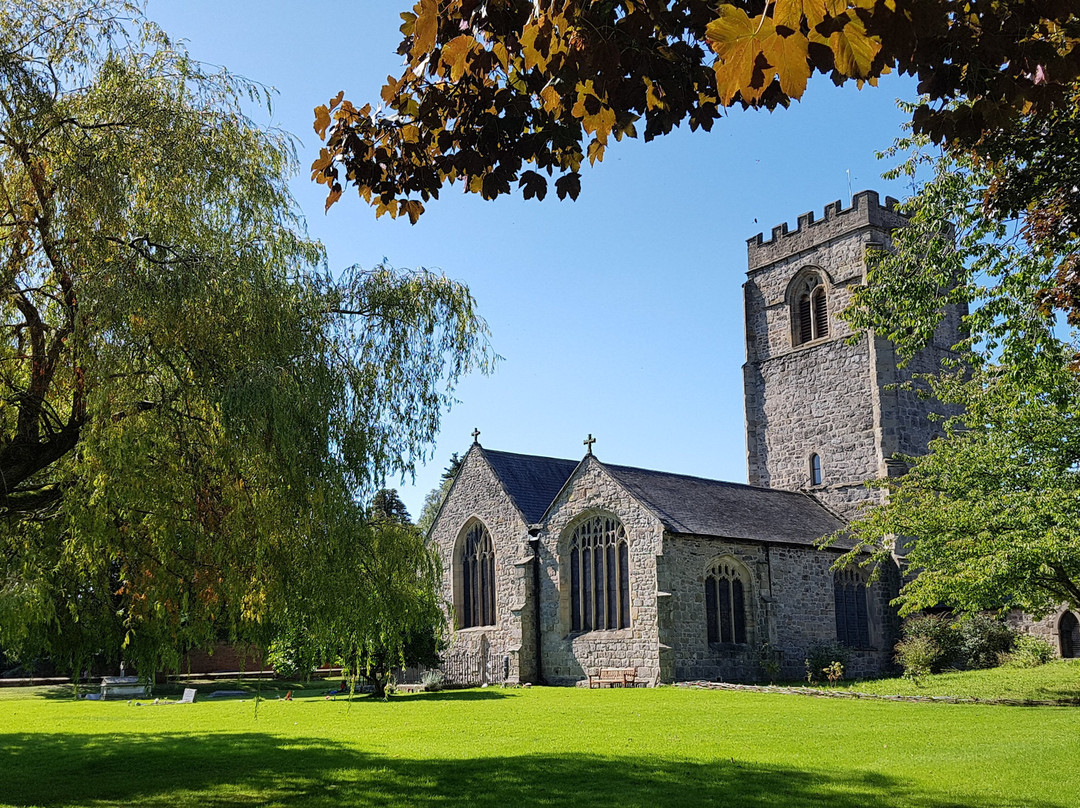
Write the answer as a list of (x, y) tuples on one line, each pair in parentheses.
[(865, 211)]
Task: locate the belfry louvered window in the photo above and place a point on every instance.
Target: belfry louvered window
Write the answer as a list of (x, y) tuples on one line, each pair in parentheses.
[(599, 575), (725, 603), (811, 312), (477, 578), (852, 619)]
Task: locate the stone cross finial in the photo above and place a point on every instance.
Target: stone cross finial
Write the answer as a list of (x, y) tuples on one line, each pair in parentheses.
[(475, 435), (589, 441)]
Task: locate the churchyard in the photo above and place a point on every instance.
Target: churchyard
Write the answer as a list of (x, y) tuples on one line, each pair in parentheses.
[(550, 746)]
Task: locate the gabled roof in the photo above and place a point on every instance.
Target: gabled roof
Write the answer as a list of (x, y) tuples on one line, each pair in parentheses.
[(686, 505), (696, 506), (530, 480)]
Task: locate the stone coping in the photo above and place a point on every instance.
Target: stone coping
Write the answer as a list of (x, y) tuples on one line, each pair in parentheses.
[(853, 694)]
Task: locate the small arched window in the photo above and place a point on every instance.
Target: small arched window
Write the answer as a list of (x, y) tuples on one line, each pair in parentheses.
[(815, 469), (477, 578), (852, 618), (725, 603), (811, 311), (599, 575)]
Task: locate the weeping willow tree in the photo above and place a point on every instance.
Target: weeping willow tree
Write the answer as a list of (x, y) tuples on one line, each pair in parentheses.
[(189, 400)]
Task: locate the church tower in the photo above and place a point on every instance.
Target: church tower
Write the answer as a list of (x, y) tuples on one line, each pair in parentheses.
[(822, 412)]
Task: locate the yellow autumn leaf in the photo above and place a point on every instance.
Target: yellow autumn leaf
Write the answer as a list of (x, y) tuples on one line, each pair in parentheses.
[(789, 13), (552, 101), (787, 56), (738, 40), (596, 151), (455, 54), (584, 90), (599, 124), (425, 28), (654, 95), (529, 51), (853, 49), (390, 89), (322, 121)]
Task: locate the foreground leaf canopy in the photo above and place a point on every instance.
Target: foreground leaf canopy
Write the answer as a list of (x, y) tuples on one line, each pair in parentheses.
[(502, 92)]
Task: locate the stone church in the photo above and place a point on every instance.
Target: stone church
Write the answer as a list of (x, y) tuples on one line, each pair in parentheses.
[(559, 567)]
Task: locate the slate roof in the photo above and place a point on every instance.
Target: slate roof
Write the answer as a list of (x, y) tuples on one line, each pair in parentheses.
[(700, 507), (687, 505), (531, 481)]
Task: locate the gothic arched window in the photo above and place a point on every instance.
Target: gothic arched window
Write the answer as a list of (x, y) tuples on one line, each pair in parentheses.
[(852, 617), (477, 578), (810, 314), (725, 602), (815, 469), (599, 575)]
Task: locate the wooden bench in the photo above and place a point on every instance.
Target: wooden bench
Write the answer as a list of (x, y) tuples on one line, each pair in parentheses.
[(613, 677)]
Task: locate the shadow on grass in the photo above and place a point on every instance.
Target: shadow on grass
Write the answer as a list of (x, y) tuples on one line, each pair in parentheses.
[(486, 694), (252, 769)]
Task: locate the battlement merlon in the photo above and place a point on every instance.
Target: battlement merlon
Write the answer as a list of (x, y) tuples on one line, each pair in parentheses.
[(865, 211)]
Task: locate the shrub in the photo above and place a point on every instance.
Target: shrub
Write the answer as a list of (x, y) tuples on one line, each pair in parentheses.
[(917, 655), (936, 646), (1028, 652), (983, 639), (433, 681), (824, 655), (290, 658), (834, 672), (769, 658)]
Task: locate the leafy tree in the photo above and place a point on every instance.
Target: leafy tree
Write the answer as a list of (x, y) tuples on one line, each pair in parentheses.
[(992, 508), (391, 616), (955, 251), (434, 499), (386, 504), (188, 398), (498, 92)]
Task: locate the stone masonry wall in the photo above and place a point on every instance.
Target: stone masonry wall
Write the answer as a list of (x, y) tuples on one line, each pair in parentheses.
[(478, 495), (804, 612), (1046, 628), (682, 570), (567, 657), (790, 605)]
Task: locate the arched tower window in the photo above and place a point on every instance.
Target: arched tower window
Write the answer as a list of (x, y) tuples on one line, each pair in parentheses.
[(1069, 635), (477, 578), (725, 602), (852, 617), (815, 469), (599, 575), (810, 314)]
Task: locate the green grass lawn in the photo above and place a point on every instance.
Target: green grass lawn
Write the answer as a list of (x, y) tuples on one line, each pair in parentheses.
[(539, 746), (1059, 680)]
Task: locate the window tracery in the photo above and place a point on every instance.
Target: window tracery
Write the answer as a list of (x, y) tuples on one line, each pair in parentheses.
[(852, 617), (477, 578), (599, 575), (725, 603)]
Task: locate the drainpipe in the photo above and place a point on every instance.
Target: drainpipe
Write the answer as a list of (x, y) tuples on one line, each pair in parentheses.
[(534, 540)]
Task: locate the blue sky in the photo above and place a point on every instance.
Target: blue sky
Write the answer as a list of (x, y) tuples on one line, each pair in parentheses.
[(619, 314)]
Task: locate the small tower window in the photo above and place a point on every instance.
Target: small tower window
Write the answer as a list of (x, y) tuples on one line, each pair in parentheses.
[(811, 312), (815, 469)]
